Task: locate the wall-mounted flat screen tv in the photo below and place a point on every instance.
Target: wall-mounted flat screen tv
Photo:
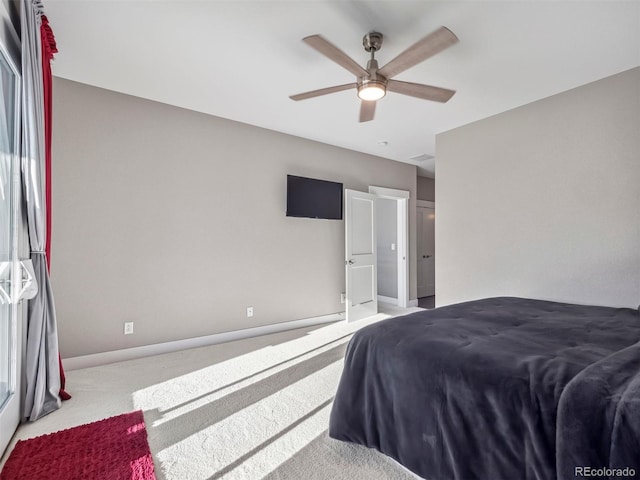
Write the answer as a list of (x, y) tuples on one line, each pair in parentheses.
[(311, 198)]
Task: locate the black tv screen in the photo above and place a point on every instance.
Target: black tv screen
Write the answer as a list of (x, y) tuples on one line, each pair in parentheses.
[(311, 198)]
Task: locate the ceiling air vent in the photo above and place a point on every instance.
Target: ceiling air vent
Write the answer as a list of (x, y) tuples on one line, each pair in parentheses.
[(421, 158)]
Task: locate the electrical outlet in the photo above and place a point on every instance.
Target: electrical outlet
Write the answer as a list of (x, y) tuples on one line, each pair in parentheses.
[(343, 297), (128, 328), (249, 311)]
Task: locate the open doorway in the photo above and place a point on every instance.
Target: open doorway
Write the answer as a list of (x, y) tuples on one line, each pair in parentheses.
[(392, 236)]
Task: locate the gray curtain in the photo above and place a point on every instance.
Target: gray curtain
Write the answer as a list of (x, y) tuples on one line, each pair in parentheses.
[(42, 372)]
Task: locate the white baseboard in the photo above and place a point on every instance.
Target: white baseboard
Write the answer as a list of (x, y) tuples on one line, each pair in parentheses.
[(389, 300), (413, 303), (86, 361)]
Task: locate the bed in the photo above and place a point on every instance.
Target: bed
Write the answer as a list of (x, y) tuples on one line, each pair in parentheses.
[(498, 388)]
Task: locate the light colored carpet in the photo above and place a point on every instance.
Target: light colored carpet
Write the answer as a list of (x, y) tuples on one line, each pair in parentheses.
[(252, 409)]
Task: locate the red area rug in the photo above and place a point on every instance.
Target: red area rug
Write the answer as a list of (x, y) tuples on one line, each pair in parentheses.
[(112, 449)]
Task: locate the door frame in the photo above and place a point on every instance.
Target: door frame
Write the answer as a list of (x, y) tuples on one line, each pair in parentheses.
[(402, 200), (10, 418)]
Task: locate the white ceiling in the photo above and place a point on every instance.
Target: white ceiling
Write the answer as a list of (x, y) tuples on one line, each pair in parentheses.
[(242, 59)]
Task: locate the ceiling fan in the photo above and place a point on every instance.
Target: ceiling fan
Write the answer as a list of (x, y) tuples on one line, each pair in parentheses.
[(373, 82)]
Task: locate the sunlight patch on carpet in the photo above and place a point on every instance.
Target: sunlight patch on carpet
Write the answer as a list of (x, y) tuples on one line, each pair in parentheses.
[(236, 439), (268, 364)]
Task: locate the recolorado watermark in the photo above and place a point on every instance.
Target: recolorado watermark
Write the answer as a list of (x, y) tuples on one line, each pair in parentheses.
[(604, 472)]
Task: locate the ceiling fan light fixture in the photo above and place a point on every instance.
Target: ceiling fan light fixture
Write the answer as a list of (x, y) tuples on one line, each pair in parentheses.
[(372, 90)]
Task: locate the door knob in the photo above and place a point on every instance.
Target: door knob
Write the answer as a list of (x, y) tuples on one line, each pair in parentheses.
[(350, 262)]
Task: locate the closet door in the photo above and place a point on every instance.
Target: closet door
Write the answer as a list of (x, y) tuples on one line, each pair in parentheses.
[(426, 251)]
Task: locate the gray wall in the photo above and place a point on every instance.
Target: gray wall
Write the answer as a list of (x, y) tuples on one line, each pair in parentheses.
[(387, 228), (176, 220), (426, 189), (544, 201)]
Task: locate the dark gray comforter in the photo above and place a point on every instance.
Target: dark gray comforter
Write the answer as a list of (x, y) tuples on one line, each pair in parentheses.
[(500, 388)]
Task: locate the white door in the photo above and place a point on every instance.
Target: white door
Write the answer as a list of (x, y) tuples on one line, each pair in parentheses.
[(360, 255), (9, 353), (426, 252)]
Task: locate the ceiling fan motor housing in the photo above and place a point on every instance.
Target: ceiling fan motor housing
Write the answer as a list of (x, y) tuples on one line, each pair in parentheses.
[(375, 83)]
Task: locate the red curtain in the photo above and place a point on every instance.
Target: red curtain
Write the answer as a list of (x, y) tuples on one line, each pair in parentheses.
[(48, 50)]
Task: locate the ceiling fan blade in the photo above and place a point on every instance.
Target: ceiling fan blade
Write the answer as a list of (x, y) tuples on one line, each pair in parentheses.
[(332, 52), (427, 92), (433, 43), (322, 91), (367, 110)]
